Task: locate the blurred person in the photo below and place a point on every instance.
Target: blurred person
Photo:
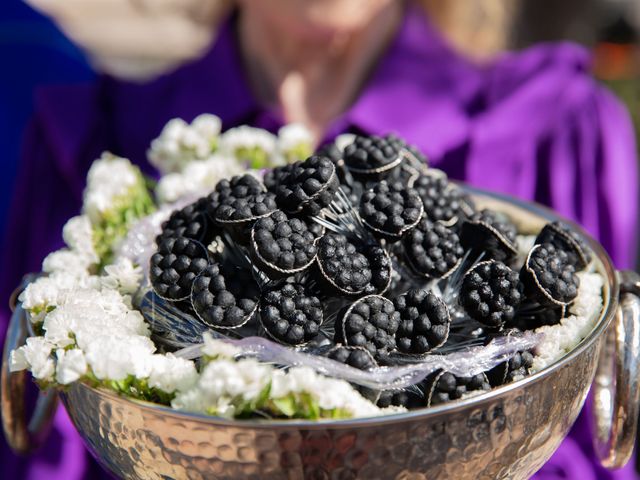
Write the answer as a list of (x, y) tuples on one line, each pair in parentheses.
[(532, 124)]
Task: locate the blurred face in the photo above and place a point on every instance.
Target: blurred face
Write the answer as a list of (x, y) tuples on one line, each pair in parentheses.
[(316, 20)]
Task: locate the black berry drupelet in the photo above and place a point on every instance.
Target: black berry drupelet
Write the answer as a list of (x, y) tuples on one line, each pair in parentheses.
[(443, 387), (506, 372), (490, 293), (307, 186), (190, 222), (432, 249), (290, 314), (282, 244), (390, 210), (490, 233), (241, 199), (565, 238), (442, 200), (424, 322), (411, 151), (381, 269), (549, 276), (175, 265), (371, 322), (371, 156), (222, 301), (356, 357)]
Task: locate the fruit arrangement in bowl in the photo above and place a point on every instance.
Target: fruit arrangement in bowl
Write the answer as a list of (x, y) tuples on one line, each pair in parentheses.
[(260, 279)]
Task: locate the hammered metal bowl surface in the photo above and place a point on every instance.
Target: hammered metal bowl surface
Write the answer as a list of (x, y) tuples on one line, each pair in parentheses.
[(508, 432)]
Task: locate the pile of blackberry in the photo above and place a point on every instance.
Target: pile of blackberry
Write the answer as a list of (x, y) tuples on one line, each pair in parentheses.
[(549, 276), (424, 322), (372, 156), (307, 186), (290, 314), (370, 323), (432, 249), (367, 257), (283, 244), (491, 292), (391, 210)]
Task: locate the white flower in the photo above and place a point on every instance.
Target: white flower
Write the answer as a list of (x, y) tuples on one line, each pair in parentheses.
[(48, 292), (170, 373), (253, 146), (179, 143), (330, 393), (221, 383), (67, 261), (71, 365), (116, 357), (295, 141), (78, 235), (36, 356), (110, 178), (218, 348), (343, 140), (122, 276), (197, 178)]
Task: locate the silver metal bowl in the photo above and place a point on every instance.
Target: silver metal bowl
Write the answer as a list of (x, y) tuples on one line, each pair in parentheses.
[(508, 432)]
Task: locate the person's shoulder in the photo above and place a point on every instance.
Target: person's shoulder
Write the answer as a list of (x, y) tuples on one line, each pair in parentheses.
[(543, 72)]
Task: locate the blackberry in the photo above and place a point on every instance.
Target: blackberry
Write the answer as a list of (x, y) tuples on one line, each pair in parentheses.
[(549, 276), (272, 178), (175, 265), (424, 322), (291, 315), (356, 357), (371, 322), (415, 155), (565, 238), (283, 245), (506, 372), (491, 234), (490, 293), (432, 249), (308, 186), (189, 222), (221, 299), (371, 156), (342, 265), (350, 269), (443, 387), (390, 209), (241, 199), (407, 398), (442, 200)]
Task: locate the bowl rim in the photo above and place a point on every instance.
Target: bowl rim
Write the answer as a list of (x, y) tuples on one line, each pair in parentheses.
[(611, 291)]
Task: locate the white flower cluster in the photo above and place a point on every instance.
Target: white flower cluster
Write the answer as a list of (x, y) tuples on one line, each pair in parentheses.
[(181, 143), (110, 179), (197, 178), (250, 145), (584, 313), (226, 385), (295, 142)]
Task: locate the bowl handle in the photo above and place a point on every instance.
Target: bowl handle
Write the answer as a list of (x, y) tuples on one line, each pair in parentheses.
[(22, 436), (616, 396)]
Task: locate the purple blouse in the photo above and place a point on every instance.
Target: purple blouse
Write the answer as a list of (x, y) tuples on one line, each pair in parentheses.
[(533, 124)]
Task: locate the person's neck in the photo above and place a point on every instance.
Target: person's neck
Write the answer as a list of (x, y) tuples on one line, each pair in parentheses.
[(311, 81)]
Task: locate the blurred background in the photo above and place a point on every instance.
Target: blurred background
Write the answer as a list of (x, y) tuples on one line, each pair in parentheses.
[(138, 39)]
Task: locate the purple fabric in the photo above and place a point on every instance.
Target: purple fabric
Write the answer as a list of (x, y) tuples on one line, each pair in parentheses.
[(533, 125)]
